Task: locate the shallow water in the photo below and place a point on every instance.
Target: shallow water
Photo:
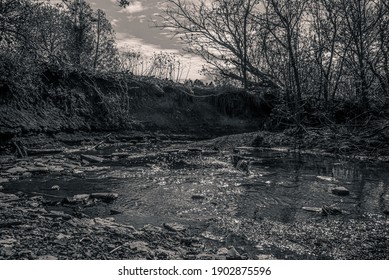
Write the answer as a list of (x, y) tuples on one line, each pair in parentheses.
[(164, 185)]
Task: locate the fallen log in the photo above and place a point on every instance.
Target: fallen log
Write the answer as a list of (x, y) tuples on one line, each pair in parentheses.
[(91, 158)]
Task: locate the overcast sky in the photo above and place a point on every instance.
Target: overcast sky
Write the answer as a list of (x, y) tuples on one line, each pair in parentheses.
[(134, 29)]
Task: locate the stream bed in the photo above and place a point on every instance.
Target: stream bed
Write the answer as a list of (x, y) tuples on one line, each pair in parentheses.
[(272, 202)]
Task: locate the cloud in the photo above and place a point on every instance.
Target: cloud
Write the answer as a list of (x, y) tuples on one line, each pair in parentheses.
[(114, 22)]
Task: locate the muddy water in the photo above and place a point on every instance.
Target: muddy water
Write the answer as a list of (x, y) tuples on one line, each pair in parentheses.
[(193, 187)]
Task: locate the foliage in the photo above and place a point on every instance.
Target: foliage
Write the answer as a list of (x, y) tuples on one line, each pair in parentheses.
[(37, 36)]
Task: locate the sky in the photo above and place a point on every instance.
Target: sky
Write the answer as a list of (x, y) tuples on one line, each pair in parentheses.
[(134, 29)]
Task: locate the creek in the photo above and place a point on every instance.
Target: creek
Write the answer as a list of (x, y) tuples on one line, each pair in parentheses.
[(159, 183)]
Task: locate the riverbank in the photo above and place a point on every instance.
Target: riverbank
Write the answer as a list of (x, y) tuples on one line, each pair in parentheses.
[(190, 168)]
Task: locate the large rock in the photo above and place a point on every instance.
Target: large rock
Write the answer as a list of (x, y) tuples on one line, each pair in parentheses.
[(340, 191), (174, 227)]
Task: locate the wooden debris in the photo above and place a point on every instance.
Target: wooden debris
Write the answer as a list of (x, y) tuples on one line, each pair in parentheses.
[(21, 154), (91, 158), (101, 142)]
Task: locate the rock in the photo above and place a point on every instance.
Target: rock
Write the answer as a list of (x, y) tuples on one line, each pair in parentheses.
[(38, 169), (55, 188), (26, 175), (8, 242), (107, 222), (58, 214), (325, 178), (121, 154), (189, 241), (75, 199), (56, 168), (33, 204), (140, 246), (47, 257), (8, 197), (233, 254), (16, 170), (4, 180), (265, 257), (330, 210), (211, 236), (62, 236), (93, 159), (223, 251), (114, 212), (172, 151), (204, 256), (106, 197), (342, 191), (198, 197), (196, 150), (312, 209), (1, 188), (174, 227), (165, 254), (243, 165)]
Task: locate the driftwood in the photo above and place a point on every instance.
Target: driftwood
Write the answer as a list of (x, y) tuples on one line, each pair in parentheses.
[(21, 154), (91, 158), (48, 195), (101, 142)]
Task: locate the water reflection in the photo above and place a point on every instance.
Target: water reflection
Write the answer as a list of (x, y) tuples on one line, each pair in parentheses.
[(162, 186)]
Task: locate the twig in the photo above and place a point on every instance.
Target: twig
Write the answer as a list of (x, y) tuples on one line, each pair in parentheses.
[(117, 248), (101, 142), (49, 195), (18, 149)]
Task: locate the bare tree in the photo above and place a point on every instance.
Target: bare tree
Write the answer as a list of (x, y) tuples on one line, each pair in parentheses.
[(325, 48), (284, 21), (221, 32), (380, 64), (360, 23)]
